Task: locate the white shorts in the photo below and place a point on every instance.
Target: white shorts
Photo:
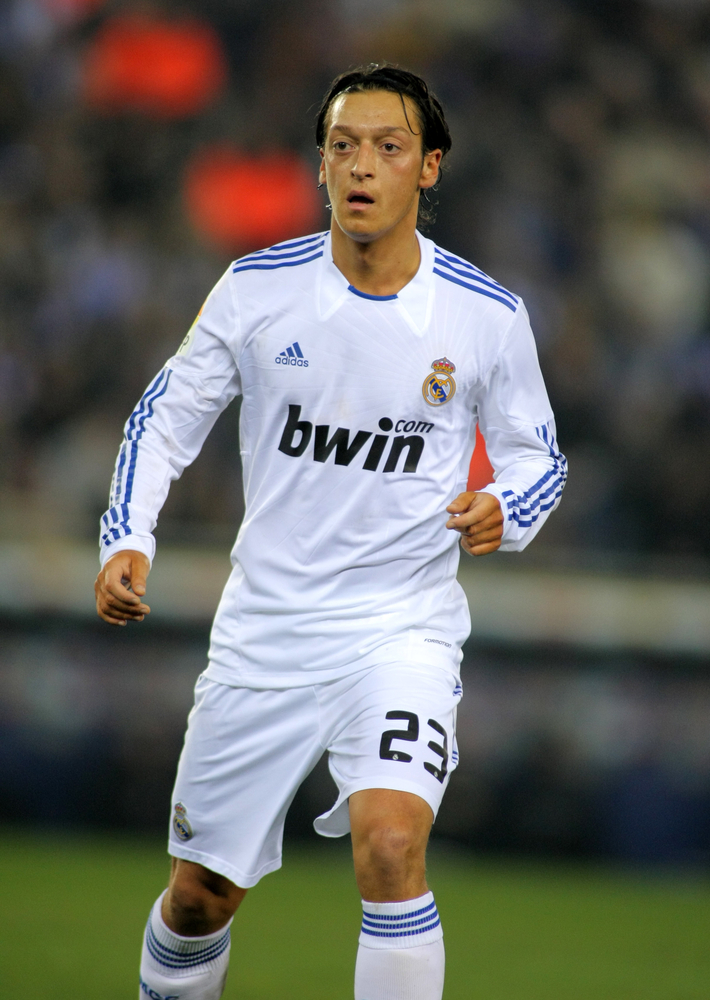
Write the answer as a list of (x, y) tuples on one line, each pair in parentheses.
[(247, 751)]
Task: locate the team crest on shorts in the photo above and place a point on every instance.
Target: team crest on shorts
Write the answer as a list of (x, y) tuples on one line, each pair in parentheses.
[(439, 387), (181, 824)]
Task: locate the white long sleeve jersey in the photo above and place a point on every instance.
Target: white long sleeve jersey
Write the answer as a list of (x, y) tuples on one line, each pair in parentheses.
[(357, 427)]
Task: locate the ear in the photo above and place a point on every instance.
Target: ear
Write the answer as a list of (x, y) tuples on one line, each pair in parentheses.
[(430, 169), (321, 170)]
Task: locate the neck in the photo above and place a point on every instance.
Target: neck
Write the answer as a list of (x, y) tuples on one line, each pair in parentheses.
[(382, 266)]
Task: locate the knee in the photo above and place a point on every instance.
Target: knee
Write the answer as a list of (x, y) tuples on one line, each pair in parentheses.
[(390, 830), (389, 854), (387, 847), (199, 901)]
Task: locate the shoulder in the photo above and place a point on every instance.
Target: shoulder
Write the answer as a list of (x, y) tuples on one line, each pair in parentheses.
[(470, 280), (288, 255)]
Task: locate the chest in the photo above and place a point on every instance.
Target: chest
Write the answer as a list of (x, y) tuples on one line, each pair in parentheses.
[(366, 360)]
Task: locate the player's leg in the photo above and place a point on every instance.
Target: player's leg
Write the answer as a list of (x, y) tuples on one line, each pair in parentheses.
[(390, 832), (391, 758), (187, 939), (198, 901), (245, 754), (401, 949)]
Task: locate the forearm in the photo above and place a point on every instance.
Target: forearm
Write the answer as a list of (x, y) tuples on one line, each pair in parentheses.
[(532, 474), (519, 429), (161, 438)]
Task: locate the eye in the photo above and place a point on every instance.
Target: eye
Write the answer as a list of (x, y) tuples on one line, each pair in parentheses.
[(340, 145), (390, 147)]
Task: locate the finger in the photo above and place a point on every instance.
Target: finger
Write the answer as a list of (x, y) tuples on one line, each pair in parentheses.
[(482, 506), (475, 546), (114, 606), (102, 613), (116, 618), (111, 621), (458, 522), (140, 568), (492, 522), (476, 517), (491, 535), (119, 610), (118, 604), (125, 575), (138, 582), (116, 586), (113, 586), (462, 502), (475, 549)]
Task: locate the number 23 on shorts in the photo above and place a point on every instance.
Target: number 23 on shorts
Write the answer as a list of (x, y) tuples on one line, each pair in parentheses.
[(411, 735)]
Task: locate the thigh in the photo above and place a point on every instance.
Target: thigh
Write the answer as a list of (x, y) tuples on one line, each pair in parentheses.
[(392, 727), (245, 754)]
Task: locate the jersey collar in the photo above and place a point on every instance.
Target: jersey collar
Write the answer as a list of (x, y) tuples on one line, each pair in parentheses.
[(413, 302)]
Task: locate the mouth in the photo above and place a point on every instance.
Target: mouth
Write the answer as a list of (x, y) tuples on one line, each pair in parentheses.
[(360, 198)]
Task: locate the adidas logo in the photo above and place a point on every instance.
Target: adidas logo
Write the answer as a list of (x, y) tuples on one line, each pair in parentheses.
[(293, 355)]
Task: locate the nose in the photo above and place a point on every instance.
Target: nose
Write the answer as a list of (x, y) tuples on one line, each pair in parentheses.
[(364, 165)]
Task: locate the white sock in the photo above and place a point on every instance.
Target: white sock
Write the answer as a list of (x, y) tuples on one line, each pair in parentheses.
[(174, 967), (401, 952)]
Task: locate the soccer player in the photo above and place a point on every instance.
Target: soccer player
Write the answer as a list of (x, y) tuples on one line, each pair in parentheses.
[(365, 357)]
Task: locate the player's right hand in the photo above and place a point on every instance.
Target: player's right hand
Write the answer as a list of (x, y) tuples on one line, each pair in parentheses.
[(120, 586)]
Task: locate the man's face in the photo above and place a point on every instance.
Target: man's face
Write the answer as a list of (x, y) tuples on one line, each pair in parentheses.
[(373, 164)]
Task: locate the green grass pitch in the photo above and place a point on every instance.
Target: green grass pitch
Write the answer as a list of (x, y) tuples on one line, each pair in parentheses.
[(73, 910)]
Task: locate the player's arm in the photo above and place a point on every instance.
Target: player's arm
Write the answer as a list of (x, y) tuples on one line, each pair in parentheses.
[(519, 428), (163, 435)]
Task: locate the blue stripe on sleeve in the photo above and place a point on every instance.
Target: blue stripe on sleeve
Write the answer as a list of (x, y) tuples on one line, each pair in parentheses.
[(293, 255), (526, 508), (272, 267), (469, 266), (483, 279), (135, 429), (138, 433), (288, 246), (473, 288)]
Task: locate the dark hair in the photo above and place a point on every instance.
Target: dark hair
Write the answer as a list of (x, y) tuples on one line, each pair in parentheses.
[(385, 76)]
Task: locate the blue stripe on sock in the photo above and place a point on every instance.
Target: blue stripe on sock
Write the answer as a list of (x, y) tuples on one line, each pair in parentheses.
[(400, 916), (172, 959), (392, 934), (410, 923)]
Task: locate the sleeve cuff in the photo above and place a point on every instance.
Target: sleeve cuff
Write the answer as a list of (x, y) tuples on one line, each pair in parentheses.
[(137, 543)]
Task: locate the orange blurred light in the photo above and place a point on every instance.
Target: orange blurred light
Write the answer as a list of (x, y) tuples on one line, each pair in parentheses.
[(167, 69), (480, 472), (243, 202)]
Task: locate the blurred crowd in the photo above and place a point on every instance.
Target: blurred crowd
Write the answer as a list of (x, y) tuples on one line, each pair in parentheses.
[(559, 755), (579, 178)]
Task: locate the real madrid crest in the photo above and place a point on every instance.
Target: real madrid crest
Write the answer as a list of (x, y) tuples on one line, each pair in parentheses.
[(181, 824), (439, 387)]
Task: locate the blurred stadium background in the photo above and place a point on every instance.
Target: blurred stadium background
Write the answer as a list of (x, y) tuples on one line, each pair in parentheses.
[(142, 146)]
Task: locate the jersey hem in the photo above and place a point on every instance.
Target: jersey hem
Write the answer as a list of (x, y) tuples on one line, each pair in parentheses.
[(235, 677)]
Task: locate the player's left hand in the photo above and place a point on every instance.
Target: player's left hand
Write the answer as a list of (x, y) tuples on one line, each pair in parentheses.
[(479, 519)]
